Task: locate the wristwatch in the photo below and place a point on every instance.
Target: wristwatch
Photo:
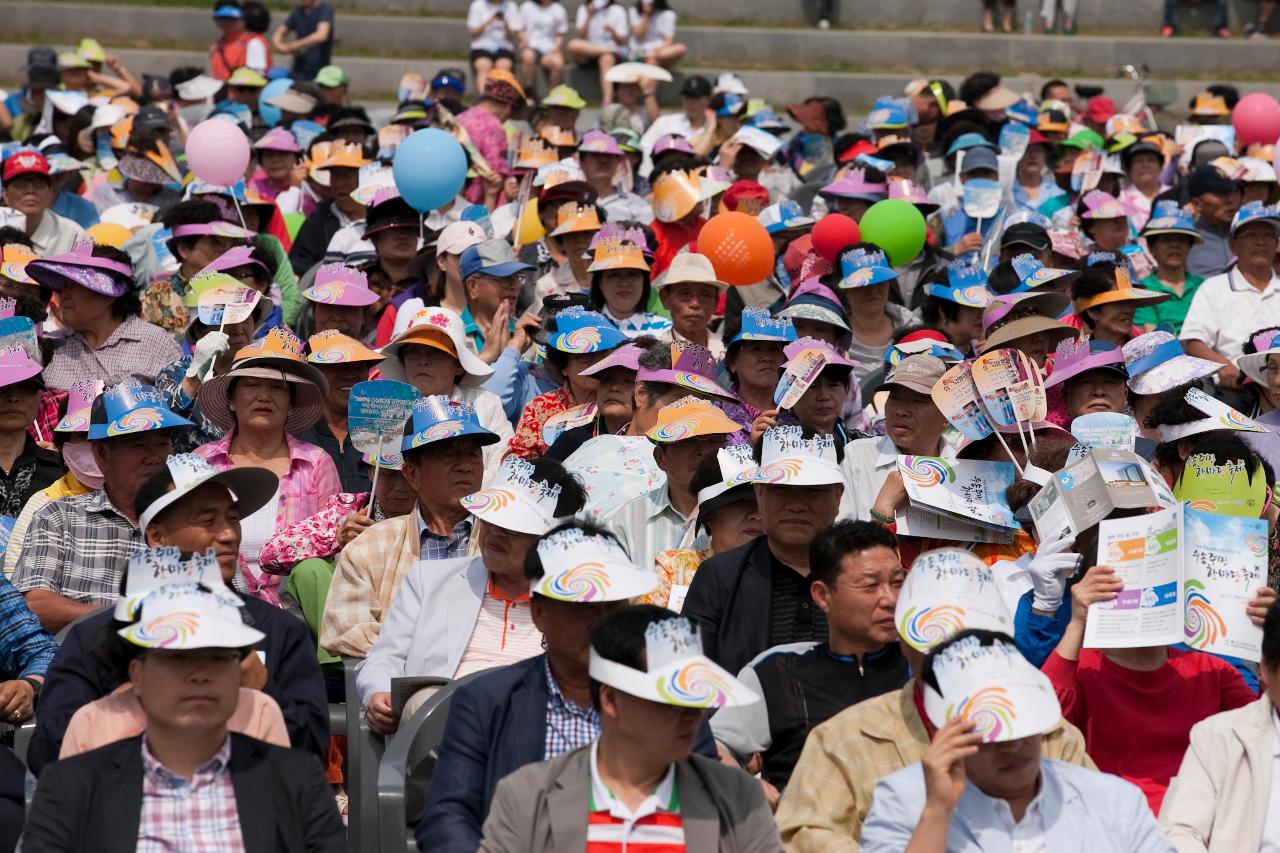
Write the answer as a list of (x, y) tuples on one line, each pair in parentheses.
[(35, 688)]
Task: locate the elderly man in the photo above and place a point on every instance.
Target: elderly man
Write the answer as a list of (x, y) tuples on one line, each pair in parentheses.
[(760, 595), (74, 557), (686, 432), (25, 652), (190, 506), (186, 783), (1214, 200), (689, 290), (857, 574), (1227, 308), (831, 787), (492, 278), (443, 449), (28, 189), (913, 426)]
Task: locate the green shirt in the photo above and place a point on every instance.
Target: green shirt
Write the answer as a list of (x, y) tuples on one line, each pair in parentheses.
[(1174, 311)]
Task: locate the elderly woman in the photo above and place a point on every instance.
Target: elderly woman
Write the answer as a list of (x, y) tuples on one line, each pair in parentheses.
[(25, 467), (615, 376), (816, 312), (270, 393), (1156, 365), (199, 235), (754, 357), (278, 156), (253, 266), (576, 226), (106, 338), (823, 402), (580, 339), (620, 281), (1106, 302), (863, 282), (340, 300), (1092, 377)]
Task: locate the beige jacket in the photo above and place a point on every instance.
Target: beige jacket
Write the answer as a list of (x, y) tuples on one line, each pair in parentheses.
[(830, 791), (1218, 801)]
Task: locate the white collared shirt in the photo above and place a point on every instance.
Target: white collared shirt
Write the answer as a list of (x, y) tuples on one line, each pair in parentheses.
[(1271, 825), (867, 463), (1026, 835), (1227, 309)]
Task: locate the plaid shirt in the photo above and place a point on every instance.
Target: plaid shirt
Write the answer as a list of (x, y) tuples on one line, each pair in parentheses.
[(25, 648), (434, 546), (135, 350), (47, 416), (78, 547), (568, 726), (199, 816)]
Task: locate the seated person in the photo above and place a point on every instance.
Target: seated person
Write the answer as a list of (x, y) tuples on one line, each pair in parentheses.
[(539, 708), (856, 575), (229, 786), (189, 506), (74, 556), (451, 618), (443, 448), (25, 652), (639, 778), (978, 779)]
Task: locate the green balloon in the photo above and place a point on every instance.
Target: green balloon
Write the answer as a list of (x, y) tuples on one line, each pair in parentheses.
[(897, 227)]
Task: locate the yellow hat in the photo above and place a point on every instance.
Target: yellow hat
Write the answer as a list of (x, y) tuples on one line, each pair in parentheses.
[(534, 154), (558, 137), (615, 253), (690, 417), (675, 194), (1208, 104), (576, 217), (333, 347), (245, 76), (339, 155), (108, 234), (91, 50)]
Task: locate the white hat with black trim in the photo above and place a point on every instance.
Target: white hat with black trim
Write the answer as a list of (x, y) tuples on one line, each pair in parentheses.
[(251, 487)]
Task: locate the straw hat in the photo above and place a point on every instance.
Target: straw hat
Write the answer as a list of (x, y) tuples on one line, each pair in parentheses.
[(277, 356)]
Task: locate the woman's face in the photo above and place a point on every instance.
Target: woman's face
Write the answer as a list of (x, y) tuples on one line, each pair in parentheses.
[(347, 319), (622, 290), (867, 300), (82, 308), (1145, 167), (18, 406), (259, 403), (615, 389), (1096, 391), (817, 330), (278, 165), (756, 364), (820, 406), (1272, 372), (1036, 347), (965, 328), (430, 370), (1113, 321), (1170, 250), (734, 524), (582, 388), (1109, 234)]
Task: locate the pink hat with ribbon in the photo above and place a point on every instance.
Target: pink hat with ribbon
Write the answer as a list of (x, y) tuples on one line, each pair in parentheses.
[(80, 266), (336, 284), (599, 142), (854, 184), (1076, 356), (1102, 205), (692, 367)]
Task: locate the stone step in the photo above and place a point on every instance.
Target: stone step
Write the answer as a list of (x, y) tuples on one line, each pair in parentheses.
[(733, 47), (376, 79)]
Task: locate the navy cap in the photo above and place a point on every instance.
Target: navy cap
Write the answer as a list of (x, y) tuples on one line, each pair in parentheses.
[(979, 158)]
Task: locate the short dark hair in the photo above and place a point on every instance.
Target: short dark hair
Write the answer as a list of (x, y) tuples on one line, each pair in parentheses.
[(9, 234), (985, 638), (619, 637), (257, 19), (152, 489), (1044, 90), (129, 303), (1093, 280), (656, 357), (190, 212), (533, 569), (573, 497), (976, 85), (1003, 278), (1271, 636), (829, 548)]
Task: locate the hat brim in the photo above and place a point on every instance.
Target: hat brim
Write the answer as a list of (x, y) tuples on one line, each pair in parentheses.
[(446, 431), (307, 405), (503, 270), (251, 488), (999, 98), (1025, 326), (797, 471), (690, 381), (208, 634), (610, 338), (348, 297), (1193, 235), (475, 371), (1135, 295), (136, 420), (816, 314), (55, 276), (1175, 372), (1097, 361), (508, 510), (1252, 365)]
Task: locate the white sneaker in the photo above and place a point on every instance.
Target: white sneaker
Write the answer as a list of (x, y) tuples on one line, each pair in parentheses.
[(824, 24)]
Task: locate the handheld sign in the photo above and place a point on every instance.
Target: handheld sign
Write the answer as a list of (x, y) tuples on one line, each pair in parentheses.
[(981, 198), (20, 333), (225, 304), (956, 397), (1011, 389), (799, 375), (376, 412)]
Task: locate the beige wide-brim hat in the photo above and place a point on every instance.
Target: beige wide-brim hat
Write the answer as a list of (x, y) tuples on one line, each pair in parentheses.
[(306, 381), (1024, 326), (690, 268)]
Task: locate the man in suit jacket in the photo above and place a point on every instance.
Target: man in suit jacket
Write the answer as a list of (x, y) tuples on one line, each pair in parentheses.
[(638, 783), (186, 781)]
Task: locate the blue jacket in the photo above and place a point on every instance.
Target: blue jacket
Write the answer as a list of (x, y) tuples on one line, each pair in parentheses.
[(497, 724), (1082, 809), (76, 678), (76, 208)]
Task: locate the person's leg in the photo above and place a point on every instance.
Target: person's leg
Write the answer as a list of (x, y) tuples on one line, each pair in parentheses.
[(826, 9), (581, 50), (1069, 16), (481, 68), (1170, 15), (988, 15), (1220, 22), (1265, 8), (1006, 19), (529, 70), (607, 61), (668, 56), (553, 64), (506, 63)]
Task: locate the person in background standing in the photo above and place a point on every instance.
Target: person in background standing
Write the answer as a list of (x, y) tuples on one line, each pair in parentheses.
[(311, 23), (236, 47), (494, 27)]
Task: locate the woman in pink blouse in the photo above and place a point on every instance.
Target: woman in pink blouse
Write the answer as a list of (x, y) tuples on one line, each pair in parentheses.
[(270, 393)]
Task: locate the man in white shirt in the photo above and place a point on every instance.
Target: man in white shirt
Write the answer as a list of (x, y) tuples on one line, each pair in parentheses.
[(28, 189), (913, 425), (696, 122), (1228, 308)]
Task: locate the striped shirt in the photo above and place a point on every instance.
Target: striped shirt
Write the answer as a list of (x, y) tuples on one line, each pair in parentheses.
[(78, 547), (569, 726), (654, 827), (199, 816), (648, 524), (504, 633)]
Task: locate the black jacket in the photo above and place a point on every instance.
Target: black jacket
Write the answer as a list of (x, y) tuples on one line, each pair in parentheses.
[(313, 238), (76, 678), (92, 802), (729, 600)]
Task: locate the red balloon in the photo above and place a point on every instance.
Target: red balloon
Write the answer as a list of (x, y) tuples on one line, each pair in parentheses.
[(1256, 118), (738, 247), (833, 233)]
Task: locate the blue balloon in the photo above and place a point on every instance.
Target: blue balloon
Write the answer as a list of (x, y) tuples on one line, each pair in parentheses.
[(271, 115), (430, 168)]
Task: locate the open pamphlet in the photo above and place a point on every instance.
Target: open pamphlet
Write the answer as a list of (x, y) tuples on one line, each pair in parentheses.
[(956, 499), (1089, 489)]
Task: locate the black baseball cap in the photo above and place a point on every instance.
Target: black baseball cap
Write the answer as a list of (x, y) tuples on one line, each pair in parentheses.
[(1026, 234), (1207, 179), (696, 86)]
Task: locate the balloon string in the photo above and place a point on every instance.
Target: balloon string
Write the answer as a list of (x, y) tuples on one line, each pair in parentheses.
[(239, 212)]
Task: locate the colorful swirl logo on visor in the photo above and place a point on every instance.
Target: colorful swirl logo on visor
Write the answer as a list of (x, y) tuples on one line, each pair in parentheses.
[(164, 631), (439, 432), (990, 710), (695, 685), (139, 420), (489, 500), (924, 629), (584, 582), (580, 341)]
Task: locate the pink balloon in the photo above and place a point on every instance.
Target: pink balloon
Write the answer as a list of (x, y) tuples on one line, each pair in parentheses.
[(218, 152), (1256, 119)]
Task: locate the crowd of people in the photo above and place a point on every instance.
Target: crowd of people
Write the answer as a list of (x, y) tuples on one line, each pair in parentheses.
[(949, 528)]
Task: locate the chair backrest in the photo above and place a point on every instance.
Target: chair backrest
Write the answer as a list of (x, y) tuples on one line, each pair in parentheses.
[(364, 751)]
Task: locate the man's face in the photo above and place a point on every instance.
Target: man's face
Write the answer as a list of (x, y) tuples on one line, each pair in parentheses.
[(486, 292), (342, 378), (347, 319), (504, 550), (194, 690), (1217, 209), (668, 732), (395, 495), (1170, 250), (206, 518), (1255, 244), (679, 459), (1005, 770), (793, 515), (202, 251), (567, 626), (430, 370), (599, 168), (912, 421), (397, 245), (19, 404), (1058, 92), (695, 108), (126, 461), (444, 472), (860, 604), (690, 306), (31, 194), (1096, 391)]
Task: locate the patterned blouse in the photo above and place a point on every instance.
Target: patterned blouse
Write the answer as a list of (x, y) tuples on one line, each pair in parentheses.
[(528, 441)]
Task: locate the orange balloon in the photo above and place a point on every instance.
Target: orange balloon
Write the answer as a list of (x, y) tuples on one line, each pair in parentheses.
[(738, 247)]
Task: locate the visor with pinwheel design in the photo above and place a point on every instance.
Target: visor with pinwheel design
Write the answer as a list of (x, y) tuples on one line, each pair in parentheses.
[(585, 568), (787, 458), (515, 500), (438, 418), (130, 408), (337, 284), (188, 616), (677, 672), (947, 591), (690, 417), (579, 331)]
